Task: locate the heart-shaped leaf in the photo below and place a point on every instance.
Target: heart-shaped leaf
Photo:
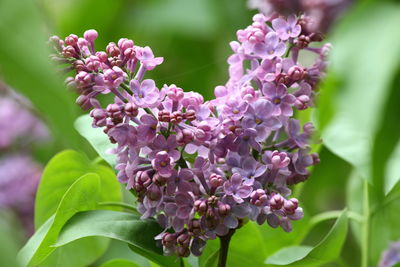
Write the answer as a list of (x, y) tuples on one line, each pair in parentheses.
[(96, 138), (326, 251), (82, 195), (119, 263), (61, 172), (121, 226)]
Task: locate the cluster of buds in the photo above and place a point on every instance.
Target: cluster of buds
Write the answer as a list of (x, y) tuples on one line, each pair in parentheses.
[(202, 168)]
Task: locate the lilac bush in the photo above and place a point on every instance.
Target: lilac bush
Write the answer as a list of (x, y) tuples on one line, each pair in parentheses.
[(202, 168)]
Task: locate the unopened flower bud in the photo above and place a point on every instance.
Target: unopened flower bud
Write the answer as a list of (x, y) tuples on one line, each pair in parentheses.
[(164, 115), (290, 206), (296, 73), (90, 35), (113, 50), (276, 202), (131, 109)]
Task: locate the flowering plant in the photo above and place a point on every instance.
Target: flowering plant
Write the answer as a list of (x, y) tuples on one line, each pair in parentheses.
[(203, 168)]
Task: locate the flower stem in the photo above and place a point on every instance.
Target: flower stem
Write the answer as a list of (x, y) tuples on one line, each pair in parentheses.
[(224, 246), (365, 228)]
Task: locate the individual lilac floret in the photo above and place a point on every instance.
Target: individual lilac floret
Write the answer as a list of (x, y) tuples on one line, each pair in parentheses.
[(145, 94), (278, 95), (272, 47), (163, 164), (260, 117), (286, 29), (234, 187)]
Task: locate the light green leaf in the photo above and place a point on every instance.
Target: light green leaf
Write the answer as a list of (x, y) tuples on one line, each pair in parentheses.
[(62, 171), (97, 138), (363, 87), (326, 251), (384, 225), (119, 263), (25, 65), (121, 226), (82, 195), (288, 255), (392, 175)]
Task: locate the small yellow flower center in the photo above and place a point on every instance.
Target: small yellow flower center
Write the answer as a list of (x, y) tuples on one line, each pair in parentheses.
[(163, 163), (114, 76), (270, 52), (235, 111), (258, 121), (277, 100)]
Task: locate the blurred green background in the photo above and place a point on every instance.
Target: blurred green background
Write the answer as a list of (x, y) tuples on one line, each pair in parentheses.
[(358, 113)]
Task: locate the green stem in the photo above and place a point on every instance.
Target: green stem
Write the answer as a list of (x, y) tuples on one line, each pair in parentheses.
[(224, 247), (365, 228)]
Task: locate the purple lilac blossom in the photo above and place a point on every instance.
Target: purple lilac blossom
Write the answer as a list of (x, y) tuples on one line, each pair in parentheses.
[(391, 256), (203, 167), (320, 14)]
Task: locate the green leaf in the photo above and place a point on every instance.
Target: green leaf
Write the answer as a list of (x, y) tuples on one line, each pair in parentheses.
[(62, 171), (364, 87), (121, 226), (245, 249), (24, 64), (288, 255), (82, 195), (392, 172), (384, 225), (96, 137), (326, 251), (119, 263), (212, 259)]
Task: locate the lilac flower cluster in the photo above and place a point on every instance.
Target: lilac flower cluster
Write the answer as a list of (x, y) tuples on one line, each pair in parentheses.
[(320, 14), (19, 174), (203, 167)]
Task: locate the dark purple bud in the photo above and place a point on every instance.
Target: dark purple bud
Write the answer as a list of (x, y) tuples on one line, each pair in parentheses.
[(164, 115), (159, 180), (290, 206), (190, 115), (93, 63), (102, 56), (195, 226), (113, 50), (169, 240), (125, 44), (99, 116), (184, 137), (223, 209), (183, 251), (69, 51), (176, 117), (79, 65), (131, 109), (258, 198), (303, 41), (200, 206), (212, 201), (276, 202), (216, 180), (279, 159), (301, 102), (183, 239), (71, 40), (154, 193), (296, 73), (315, 158), (114, 111)]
